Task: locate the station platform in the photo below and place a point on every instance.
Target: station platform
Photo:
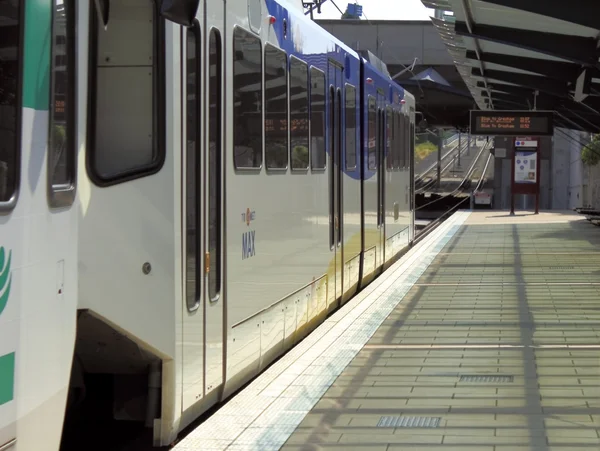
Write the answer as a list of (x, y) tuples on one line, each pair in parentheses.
[(484, 336)]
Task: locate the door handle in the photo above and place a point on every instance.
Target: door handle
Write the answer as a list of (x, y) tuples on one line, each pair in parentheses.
[(336, 223), (206, 262)]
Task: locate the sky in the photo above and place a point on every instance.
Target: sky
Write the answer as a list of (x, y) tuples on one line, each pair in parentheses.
[(379, 9)]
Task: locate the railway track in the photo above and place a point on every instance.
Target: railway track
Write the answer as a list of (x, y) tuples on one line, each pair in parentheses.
[(431, 226), (449, 166), (428, 177)]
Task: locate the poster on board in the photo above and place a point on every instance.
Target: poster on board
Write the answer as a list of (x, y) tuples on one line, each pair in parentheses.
[(525, 167)]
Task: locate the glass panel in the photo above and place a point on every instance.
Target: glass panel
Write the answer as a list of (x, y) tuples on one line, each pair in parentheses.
[(214, 165), (127, 130), (317, 119), (61, 155), (192, 169), (372, 142), (351, 141), (10, 97), (299, 114), (400, 137), (276, 108), (389, 157), (406, 141), (247, 100)]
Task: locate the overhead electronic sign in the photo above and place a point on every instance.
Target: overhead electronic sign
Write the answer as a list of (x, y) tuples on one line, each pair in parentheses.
[(508, 123)]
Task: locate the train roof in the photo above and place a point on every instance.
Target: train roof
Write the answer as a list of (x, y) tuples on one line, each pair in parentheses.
[(295, 9)]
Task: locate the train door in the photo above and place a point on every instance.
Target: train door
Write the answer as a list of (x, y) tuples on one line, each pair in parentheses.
[(411, 166), (335, 77), (380, 149), (202, 166), (213, 114)]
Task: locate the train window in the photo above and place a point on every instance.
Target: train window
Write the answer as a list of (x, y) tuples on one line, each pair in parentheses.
[(276, 108), (411, 137), (399, 146), (389, 152), (299, 118), (247, 100), (401, 140), (62, 133), (317, 119), (372, 142), (126, 108), (11, 72), (397, 140), (193, 260), (406, 141), (351, 142), (214, 164)]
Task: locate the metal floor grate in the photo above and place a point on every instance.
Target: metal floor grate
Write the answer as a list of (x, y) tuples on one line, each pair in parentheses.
[(409, 422), (486, 378)]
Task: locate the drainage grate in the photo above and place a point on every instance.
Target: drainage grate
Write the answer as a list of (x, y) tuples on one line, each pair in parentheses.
[(409, 422), (562, 267), (481, 378)]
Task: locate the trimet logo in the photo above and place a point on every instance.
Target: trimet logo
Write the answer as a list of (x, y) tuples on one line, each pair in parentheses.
[(5, 278)]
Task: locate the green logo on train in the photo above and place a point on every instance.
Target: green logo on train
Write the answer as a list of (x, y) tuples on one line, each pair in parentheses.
[(5, 278)]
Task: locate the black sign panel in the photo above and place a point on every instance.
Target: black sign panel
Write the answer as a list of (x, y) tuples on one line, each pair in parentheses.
[(277, 124), (510, 123)]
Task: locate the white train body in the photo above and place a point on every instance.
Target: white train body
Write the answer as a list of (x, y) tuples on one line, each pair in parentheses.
[(189, 239)]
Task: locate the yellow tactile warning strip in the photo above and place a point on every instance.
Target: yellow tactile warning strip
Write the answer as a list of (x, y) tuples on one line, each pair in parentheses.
[(515, 296)]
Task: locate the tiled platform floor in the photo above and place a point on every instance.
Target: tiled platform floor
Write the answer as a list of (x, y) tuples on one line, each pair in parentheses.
[(514, 296), (489, 295)]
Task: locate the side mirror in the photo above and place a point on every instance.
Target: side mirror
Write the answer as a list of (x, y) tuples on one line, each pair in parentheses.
[(182, 12)]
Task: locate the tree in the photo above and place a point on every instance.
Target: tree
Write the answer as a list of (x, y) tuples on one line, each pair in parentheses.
[(590, 154)]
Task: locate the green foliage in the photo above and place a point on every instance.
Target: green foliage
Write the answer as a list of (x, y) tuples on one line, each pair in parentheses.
[(300, 157), (590, 154), (60, 134), (423, 149)]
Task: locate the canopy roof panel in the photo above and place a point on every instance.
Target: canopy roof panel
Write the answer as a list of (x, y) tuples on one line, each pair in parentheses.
[(528, 53)]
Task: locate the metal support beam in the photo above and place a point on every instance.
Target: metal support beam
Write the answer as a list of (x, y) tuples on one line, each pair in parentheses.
[(572, 48), (470, 24), (556, 70), (507, 98), (555, 88)]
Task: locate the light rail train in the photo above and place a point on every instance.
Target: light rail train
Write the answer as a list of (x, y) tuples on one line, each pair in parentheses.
[(186, 190)]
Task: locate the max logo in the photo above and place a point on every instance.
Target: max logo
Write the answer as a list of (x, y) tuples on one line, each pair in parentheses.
[(248, 217), (248, 247), (5, 278)]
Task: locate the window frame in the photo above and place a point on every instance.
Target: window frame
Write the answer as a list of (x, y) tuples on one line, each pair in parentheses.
[(158, 113), (389, 138), (400, 137), (306, 67), (63, 195), (372, 109), (196, 253), (214, 297), (406, 141), (323, 122), (8, 205), (251, 169), (350, 86), (287, 94)]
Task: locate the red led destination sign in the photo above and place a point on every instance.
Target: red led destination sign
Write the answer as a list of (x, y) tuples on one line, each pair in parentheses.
[(508, 123)]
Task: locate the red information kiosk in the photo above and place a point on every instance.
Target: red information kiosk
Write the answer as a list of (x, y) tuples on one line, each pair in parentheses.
[(525, 178), (526, 127)]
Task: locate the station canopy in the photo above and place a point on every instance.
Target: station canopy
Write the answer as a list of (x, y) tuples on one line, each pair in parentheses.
[(527, 55)]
